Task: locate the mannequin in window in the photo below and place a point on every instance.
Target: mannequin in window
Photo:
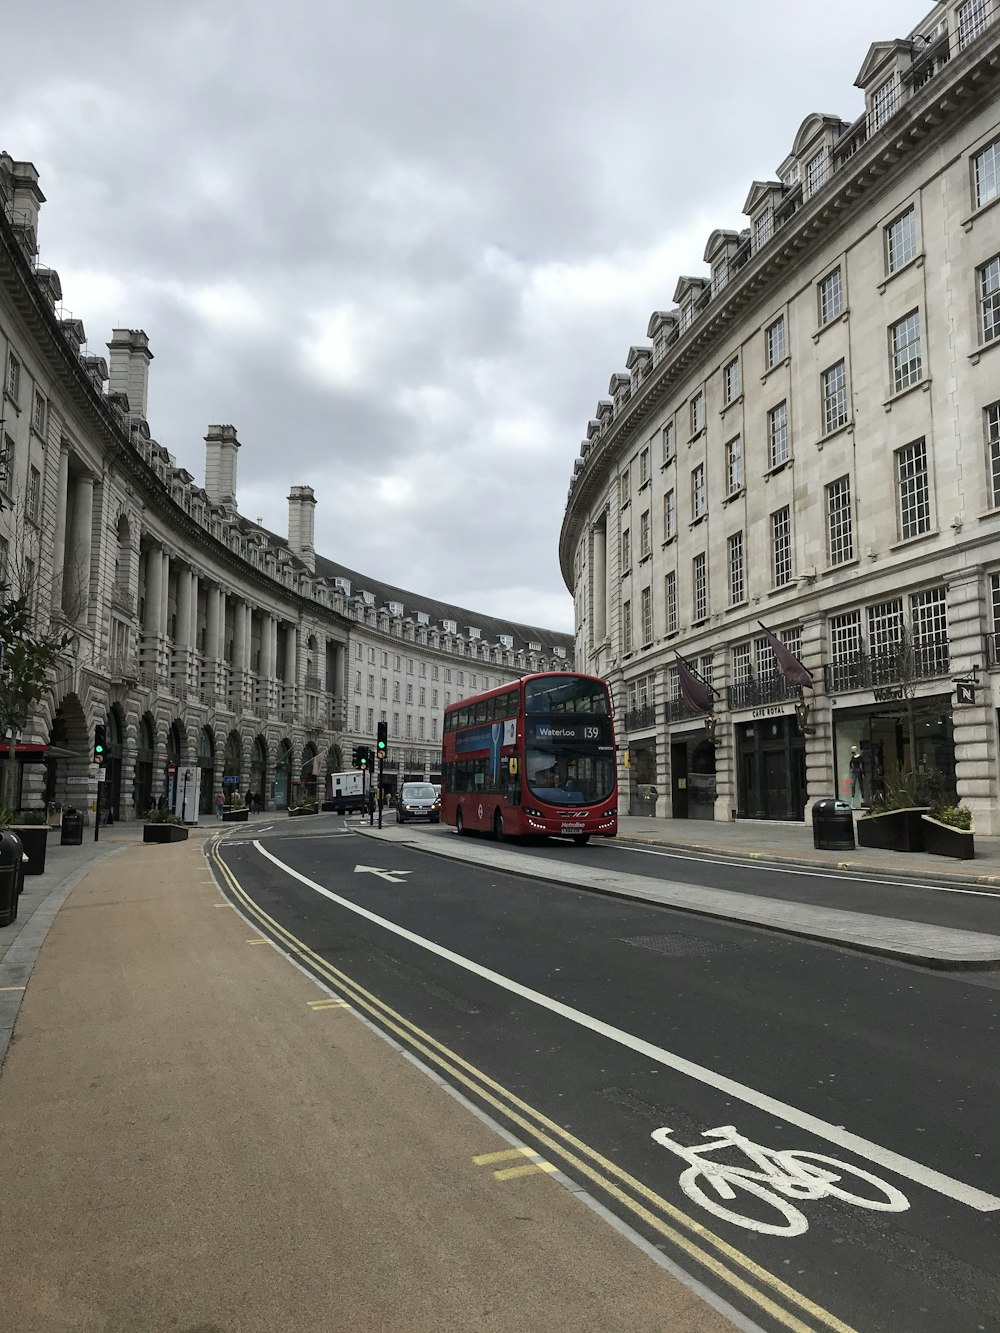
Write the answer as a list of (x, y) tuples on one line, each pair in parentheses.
[(857, 766)]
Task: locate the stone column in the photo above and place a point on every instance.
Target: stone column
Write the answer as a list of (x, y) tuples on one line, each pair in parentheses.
[(164, 593), (240, 635), (59, 551), (291, 665), (76, 597), (973, 725), (599, 581), (182, 637)]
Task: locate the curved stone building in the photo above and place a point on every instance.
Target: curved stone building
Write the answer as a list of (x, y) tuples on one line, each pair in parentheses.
[(801, 468), (214, 653)]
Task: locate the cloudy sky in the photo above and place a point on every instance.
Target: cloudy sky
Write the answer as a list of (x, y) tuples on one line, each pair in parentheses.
[(402, 245)]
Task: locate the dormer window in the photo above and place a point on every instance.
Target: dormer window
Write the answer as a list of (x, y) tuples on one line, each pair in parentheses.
[(507, 640), (449, 626), (973, 20), (720, 276), (883, 105), (816, 172), (687, 315), (762, 228), (396, 608)]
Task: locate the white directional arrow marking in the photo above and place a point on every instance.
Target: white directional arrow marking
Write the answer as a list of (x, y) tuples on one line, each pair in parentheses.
[(391, 875)]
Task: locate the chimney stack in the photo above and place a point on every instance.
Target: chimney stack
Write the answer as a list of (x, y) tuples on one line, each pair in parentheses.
[(130, 358), (25, 197), (302, 525), (221, 445)]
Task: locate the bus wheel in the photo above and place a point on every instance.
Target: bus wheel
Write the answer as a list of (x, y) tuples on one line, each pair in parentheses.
[(581, 839), (459, 822), (498, 826)]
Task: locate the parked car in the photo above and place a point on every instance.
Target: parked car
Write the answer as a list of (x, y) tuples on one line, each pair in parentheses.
[(418, 800)]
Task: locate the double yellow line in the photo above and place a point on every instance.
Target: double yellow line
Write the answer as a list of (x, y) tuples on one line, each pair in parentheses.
[(737, 1270)]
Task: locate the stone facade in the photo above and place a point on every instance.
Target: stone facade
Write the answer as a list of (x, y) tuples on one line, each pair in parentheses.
[(211, 650), (811, 444)]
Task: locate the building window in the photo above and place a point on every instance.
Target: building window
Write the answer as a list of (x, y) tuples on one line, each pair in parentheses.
[(668, 442), (626, 627), (761, 231), (883, 105), (839, 524), (989, 299), (395, 691), (644, 543), (623, 488), (647, 617), (845, 638), (395, 724), (409, 725), (907, 362), (734, 465), (912, 490), (991, 417), (831, 297), (731, 381), (815, 173), (371, 720), (986, 171), (777, 435), (929, 631), (13, 376), (644, 467), (901, 240), (6, 459), (698, 492), (885, 628), (626, 550), (697, 413), (383, 690), (775, 342), (422, 696), (781, 547), (371, 686), (420, 728), (669, 515), (409, 694), (834, 398), (34, 494), (973, 19), (742, 666), (434, 698), (670, 597), (699, 587), (737, 570), (38, 414), (357, 717)]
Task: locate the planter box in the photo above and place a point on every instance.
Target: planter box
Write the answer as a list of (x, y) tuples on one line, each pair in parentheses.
[(944, 840), (304, 812), (235, 816), (163, 833), (893, 830), (34, 839)]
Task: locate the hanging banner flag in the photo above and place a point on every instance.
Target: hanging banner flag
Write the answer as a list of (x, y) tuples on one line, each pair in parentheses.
[(695, 692), (788, 664)]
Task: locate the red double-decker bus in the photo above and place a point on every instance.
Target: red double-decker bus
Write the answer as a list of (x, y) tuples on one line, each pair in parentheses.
[(533, 758)]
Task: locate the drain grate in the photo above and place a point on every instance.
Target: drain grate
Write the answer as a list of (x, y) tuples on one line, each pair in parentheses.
[(679, 946)]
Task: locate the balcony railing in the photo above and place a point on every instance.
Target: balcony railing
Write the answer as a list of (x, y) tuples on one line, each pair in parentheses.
[(122, 599), (892, 669), (760, 691), (679, 711), (313, 681), (638, 718)]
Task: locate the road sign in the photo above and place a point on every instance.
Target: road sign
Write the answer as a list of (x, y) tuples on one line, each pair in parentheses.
[(102, 775)]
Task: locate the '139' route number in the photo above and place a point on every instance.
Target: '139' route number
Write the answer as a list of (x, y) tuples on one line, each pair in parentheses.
[(775, 1176)]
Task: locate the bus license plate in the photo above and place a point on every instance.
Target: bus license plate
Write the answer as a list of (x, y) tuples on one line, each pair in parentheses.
[(571, 828)]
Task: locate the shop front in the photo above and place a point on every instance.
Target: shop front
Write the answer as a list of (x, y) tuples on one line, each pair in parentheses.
[(642, 791), (875, 742), (770, 765), (692, 776)]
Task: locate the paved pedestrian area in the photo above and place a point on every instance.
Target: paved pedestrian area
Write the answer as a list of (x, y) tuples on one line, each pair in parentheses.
[(197, 1138)]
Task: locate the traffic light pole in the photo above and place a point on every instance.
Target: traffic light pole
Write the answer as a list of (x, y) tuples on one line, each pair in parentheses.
[(381, 792)]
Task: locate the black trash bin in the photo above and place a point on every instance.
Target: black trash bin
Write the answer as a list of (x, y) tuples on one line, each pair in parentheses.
[(833, 825), (11, 875), (72, 828)]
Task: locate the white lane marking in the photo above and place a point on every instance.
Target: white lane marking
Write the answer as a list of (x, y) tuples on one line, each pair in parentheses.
[(393, 876), (872, 1152), (801, 870)]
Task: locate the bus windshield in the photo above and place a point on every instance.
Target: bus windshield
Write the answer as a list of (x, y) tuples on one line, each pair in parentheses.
[(564, 776), (557, 694), (568, 748)]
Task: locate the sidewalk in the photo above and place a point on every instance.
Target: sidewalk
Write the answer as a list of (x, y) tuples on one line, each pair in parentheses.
[(792, 844), (190, 1145)]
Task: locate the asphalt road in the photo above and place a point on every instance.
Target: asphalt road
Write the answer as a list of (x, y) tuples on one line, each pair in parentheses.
[(587, 1023)]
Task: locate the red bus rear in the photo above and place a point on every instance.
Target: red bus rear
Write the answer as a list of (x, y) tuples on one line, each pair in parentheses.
[(532, 758)]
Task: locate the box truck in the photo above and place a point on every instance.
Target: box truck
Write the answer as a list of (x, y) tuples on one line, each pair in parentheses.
[(347, 792)]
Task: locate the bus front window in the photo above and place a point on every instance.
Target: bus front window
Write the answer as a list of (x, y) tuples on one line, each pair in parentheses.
[(566, 777)]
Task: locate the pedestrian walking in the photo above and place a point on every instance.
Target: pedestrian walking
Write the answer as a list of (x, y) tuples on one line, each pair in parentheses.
[(220, 804)]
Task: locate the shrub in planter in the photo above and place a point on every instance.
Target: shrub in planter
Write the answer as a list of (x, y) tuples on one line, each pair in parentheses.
[(235, 815), (948, 831), (162, 826)]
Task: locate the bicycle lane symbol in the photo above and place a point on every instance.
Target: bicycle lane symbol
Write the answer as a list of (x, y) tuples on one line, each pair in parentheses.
[(781, 1178)]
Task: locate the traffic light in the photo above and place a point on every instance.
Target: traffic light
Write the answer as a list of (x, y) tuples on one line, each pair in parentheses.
[(100, 740), (382, 738), (356, 757), (364, 754)]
